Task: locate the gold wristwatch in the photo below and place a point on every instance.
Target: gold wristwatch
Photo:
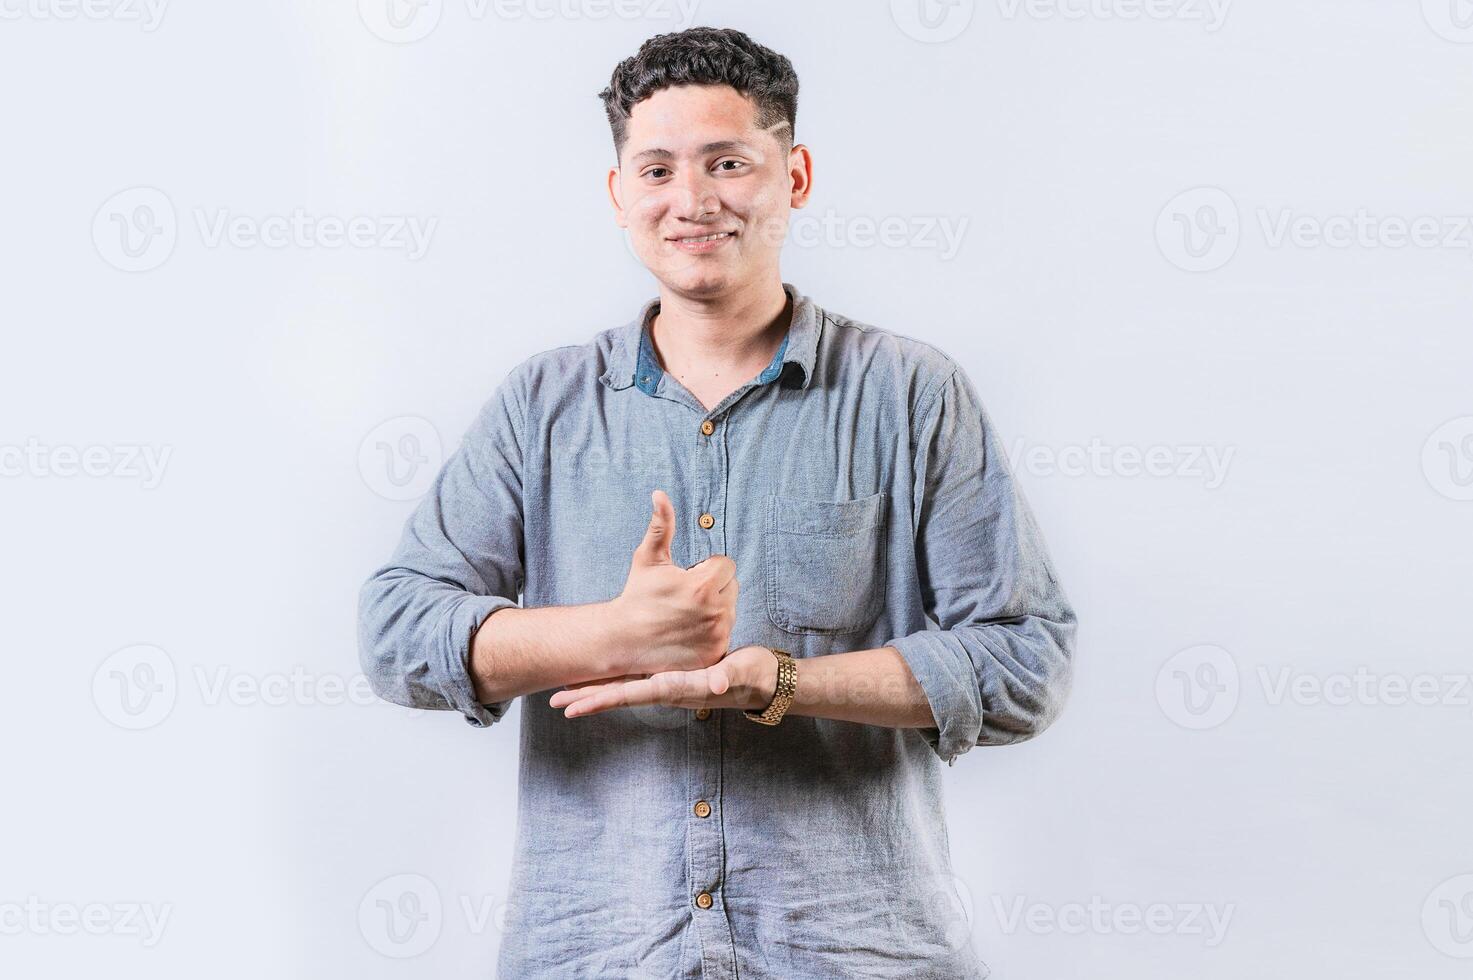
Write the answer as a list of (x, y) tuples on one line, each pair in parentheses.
[(787, 684)]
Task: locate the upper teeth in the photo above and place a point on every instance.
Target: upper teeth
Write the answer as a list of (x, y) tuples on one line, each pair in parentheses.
[(707, 238)]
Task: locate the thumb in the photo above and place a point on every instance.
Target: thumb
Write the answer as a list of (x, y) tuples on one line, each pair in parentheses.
[(718, 680), (655, 548)]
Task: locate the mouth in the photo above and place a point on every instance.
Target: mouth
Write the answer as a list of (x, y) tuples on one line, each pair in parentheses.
[(702, 243)]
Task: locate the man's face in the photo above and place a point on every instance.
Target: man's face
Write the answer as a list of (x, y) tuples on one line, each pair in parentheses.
[(694, 166)]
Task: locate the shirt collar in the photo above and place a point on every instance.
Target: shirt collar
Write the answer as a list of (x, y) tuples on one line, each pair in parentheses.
[(632, 359)]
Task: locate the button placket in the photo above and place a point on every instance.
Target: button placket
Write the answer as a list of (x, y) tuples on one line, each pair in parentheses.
[(705, 840), (706, 848)]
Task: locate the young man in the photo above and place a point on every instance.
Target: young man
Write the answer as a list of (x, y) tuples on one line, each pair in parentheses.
[(735, 524)]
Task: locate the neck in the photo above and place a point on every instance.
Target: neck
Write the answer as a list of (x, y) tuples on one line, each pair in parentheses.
[(729, 337)]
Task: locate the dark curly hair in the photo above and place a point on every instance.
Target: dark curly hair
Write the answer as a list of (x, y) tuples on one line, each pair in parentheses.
[(705, 56)]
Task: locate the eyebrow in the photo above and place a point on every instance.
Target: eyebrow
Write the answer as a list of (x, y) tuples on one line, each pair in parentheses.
[(662, 154)]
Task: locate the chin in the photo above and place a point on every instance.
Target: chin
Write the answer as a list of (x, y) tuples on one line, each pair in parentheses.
[(699, 282)]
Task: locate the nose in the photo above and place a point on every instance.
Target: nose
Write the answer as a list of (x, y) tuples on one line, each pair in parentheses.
[(695, 196)]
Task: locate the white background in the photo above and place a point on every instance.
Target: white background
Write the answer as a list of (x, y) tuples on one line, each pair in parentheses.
[(179, 644)]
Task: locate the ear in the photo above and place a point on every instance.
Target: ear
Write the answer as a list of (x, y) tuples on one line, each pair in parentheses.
[(800, 171), (619, 217)]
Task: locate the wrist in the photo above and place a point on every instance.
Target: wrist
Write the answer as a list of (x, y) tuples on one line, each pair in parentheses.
[(762, 687), (618, 637)]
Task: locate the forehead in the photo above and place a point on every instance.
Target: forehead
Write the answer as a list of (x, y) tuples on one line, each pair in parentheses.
[(690, 115)]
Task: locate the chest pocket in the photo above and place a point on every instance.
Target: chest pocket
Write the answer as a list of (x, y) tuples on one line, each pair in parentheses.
[(825, 563)]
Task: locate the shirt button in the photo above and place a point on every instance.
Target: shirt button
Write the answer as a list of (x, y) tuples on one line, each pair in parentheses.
[(703, 809), (707, 521), (707, 428), (704, 900), (703, 713)]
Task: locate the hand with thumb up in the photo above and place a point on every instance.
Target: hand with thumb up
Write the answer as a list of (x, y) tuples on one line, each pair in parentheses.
[(676, 618)]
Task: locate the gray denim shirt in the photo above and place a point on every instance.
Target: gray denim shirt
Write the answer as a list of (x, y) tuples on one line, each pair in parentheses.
[(860, 488)]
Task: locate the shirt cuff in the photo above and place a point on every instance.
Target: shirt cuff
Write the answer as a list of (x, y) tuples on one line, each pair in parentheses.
[(947, 677), (453, 668)]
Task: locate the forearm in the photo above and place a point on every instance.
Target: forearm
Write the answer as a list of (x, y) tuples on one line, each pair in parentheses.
[(871, 687), (519, 651)]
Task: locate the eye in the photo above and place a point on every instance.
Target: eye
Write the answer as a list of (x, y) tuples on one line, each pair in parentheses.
[(735, 165), (656, 172)]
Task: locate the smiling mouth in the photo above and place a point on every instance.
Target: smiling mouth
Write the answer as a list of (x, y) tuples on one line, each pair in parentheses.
[(696, 240)]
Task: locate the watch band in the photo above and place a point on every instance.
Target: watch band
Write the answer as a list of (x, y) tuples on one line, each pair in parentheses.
[(787, 685)]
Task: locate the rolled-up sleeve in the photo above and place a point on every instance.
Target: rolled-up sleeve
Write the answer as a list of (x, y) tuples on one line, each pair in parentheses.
[(998, 669), (458, 561)]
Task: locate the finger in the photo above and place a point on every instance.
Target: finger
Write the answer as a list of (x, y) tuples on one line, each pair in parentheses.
[(604, 680), (717, 680), (602, 699), (718, 569), (654, 549), (677, 688), (573, 692)]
